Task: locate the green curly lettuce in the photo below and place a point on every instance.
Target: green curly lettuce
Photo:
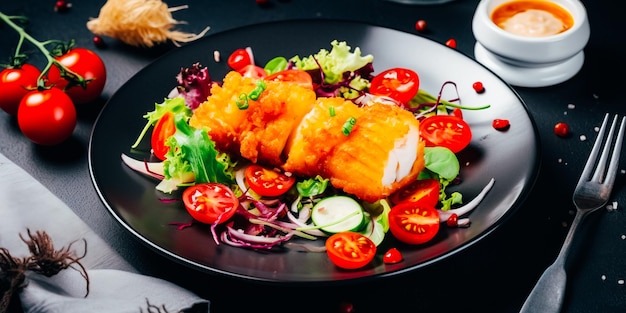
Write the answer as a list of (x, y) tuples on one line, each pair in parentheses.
[(334, 62), (192, 150)]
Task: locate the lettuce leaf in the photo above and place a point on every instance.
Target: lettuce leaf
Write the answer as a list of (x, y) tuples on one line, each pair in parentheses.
[(192, 150), (174, 105), (334, 63)]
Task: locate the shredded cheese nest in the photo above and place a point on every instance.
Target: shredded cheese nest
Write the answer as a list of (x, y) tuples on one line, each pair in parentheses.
[(141, 23)]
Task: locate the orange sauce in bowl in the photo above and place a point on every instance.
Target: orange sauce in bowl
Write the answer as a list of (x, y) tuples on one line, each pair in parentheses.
[(532, 18)]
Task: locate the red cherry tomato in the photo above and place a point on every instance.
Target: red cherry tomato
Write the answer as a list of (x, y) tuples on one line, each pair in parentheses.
[(350, 250), (239, 58), (252, 71), (210, 203), (15, 83), (163, 130), (47, 117), (299, 77), (400, 84), (447, 131), (392, 256), (424, 192), (266, 182), (412, 223), (85, 63), (451, 43)]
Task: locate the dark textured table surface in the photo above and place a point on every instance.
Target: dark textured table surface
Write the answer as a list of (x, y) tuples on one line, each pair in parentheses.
[(493, 275)]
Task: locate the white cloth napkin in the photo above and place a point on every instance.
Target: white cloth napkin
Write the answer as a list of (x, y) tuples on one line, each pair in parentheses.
[(115, 286)]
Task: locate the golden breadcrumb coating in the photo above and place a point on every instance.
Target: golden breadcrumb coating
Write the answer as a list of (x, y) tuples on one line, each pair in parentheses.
[(359, 165), (258, 133), (318, 133)]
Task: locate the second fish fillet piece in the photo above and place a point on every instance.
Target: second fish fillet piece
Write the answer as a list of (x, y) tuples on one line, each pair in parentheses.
[(382, 153)]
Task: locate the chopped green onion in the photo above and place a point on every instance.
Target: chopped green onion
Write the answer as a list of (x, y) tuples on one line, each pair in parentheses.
[(242, 102), (348, 125), (331, 111), (256, 92)]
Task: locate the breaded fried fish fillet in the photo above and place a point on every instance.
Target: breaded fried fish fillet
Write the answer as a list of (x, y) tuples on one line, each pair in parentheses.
[(260, 131), (382, 153), (318, 133)]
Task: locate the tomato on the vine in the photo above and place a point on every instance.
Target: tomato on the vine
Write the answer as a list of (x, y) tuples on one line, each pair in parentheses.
[(295, 76), (47, 117), (267, 182), (400, 84), (210, 203), (163, 129), (350, 250), (412, 223), (239, 58), (15, 83), (447, 131), (423, 192), (85, 63)]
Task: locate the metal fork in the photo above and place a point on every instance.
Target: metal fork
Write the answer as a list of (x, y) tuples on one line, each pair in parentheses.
[(592, 192)]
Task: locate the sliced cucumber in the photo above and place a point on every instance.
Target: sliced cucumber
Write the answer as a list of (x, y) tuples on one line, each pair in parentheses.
[(338, 214)]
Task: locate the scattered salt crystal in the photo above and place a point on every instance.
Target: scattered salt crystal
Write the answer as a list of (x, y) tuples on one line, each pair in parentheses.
[(560, 160), (216, 56), (623, 237), (597, 129), (571, 106), (467, 163), (620, 281), (565, 113), (583, 137), (603, 277), (595, 96), (622, 171)]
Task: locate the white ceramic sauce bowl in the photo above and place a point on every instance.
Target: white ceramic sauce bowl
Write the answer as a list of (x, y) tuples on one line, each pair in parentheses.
[(544, 49)]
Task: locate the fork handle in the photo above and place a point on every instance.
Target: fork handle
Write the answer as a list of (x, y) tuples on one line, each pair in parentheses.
[(547, 295)]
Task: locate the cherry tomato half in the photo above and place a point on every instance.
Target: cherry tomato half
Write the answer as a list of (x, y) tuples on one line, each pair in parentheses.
[(163, 129), (350, 250), (85, 63), (447, 131), (252, 71), (15, 83), (424, 192), (239, 58), (47, 117), (299, 77), (210, 203), (400, 84), (266, 182), (412, 223)]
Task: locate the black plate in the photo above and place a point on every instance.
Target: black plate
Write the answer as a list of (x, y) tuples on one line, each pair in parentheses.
[(511, 157)]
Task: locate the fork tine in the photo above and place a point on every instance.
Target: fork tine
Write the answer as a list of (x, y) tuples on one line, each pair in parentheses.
[(598, 175), (593, 156), (617, 149)]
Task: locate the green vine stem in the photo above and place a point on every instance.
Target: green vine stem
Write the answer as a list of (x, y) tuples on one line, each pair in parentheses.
[(59, 48)]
